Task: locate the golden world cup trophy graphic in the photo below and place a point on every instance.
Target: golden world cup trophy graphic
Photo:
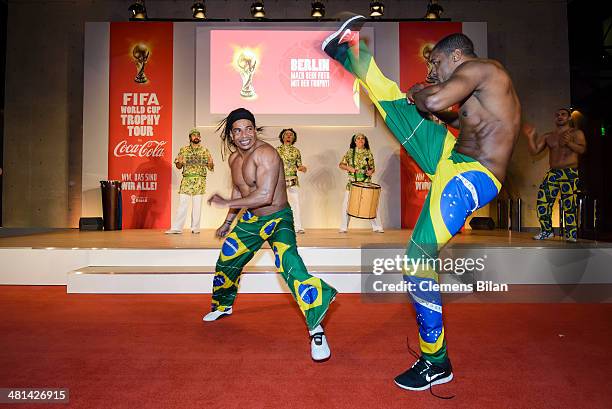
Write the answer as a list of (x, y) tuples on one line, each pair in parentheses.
[(140, 53), (426, 53), (246, 62)]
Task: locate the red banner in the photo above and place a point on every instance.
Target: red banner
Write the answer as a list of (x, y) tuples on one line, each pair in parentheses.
[(140, 121), (415, 42)]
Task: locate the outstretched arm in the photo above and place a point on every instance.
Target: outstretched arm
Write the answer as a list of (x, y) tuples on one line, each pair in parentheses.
[(535, 142), (462, 83)]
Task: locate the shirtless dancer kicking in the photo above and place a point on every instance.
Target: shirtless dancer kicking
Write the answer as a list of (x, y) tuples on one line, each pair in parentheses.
[(466, 173), (564, 145), (258, 180)]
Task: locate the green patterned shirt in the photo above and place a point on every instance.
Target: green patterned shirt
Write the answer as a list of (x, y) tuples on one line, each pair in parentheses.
[(194, 170), (358, 161), (292, 159)]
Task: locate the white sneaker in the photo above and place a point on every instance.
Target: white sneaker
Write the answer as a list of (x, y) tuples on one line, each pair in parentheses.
[(378, 231), (319, 349), (544, 236), (571, 240), (215, 315), (195, 231), (341, 231), (173, 231), (300, 231)]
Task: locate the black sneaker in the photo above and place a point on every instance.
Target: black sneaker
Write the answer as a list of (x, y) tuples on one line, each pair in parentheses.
[(344, 35), (425, 374)]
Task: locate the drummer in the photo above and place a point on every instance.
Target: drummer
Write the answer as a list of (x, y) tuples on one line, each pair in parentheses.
[(358, 162)]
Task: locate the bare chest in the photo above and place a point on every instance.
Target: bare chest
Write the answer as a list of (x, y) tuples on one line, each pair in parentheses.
[(557, 145), (244, 173)]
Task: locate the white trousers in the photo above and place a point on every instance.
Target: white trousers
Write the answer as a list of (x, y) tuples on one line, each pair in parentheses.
[(293, 196), (183, 209), (345, 218)]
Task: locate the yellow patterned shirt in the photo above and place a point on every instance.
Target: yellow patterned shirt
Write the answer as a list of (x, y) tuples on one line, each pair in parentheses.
[(292, 159), (362, 160), (194, 171)]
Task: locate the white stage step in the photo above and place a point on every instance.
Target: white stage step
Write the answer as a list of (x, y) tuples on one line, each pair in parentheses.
[(198, 280), (181, 270)]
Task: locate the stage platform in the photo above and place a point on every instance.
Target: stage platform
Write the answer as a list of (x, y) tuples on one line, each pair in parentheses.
[(149, 261)]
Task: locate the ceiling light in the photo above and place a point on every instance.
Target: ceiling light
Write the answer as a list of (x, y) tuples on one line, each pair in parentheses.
[(199, 10), (318, 9), (377, 9), (138, 11), (257, 9), (434, 10)]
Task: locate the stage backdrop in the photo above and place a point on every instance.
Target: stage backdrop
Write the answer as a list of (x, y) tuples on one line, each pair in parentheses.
[(140, 121), (132, 128)]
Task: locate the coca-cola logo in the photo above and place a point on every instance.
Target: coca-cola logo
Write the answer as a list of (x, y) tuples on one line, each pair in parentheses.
[(149, 149)]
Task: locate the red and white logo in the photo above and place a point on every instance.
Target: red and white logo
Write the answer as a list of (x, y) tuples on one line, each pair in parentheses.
[(149, 149)]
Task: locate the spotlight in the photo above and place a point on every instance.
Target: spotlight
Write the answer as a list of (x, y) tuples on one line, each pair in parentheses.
[(434, 10), (199, 10), (257, 9), (377, 8), (318, 9), (138, 11)]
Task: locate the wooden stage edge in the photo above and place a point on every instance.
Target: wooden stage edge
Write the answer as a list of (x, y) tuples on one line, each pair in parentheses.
[(313, 238)]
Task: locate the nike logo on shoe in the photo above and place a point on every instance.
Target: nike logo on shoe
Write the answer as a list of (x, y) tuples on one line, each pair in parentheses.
[(434, 376), (348, 37)]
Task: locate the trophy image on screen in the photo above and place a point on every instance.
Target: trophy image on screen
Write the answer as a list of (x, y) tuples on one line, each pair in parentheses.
[(426, 53), (140, 53), (246, 63)]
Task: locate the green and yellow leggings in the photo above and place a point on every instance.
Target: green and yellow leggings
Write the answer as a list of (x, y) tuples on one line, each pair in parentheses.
[(459, 185), (312, 294), (559, 180)]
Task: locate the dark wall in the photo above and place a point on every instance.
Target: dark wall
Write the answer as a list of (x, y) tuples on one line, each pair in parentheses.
[(3, 18), (591, 90)]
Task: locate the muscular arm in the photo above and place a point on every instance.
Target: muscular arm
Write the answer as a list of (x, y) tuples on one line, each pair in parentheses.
[(448, 117), (233, 211), (456, 89), (535, 142), (268, 164)]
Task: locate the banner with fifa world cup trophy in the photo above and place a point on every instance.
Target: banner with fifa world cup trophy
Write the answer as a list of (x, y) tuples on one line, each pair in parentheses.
[(415, 43), (140, 120)]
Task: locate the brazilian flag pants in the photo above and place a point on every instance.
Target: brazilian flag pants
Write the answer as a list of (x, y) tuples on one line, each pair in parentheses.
[(559, 180), (459, 186), (312, 294)]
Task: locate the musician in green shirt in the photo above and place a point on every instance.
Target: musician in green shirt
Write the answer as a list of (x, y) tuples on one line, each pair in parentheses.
[(292, 159), (195, 160), (358, 162)]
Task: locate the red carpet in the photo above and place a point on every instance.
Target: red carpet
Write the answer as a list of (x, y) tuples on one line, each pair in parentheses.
[(153, 351)]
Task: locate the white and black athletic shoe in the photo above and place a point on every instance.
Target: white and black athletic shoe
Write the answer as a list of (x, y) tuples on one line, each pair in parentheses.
[(425, 374), (544, 235), (215, 315), (319, 349), (343, 35)]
